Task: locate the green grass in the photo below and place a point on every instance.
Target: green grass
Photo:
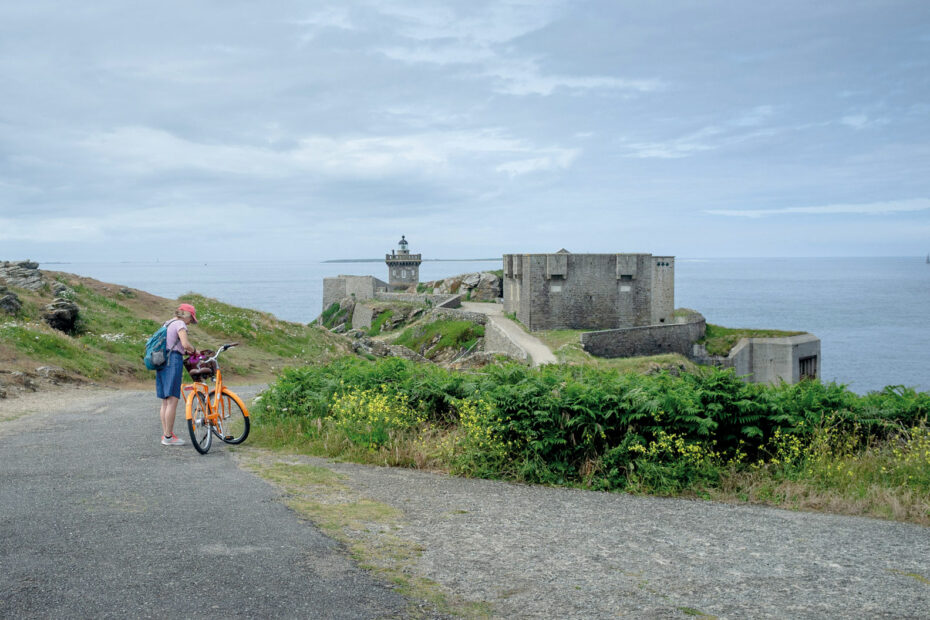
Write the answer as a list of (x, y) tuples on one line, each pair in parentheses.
[(333, 316), (452, 334), (378, 322), (113, 326), (370, 530), (720, 340)]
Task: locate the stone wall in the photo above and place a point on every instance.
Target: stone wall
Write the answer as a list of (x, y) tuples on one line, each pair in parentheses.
[(361, 287), (362, 316), (769, 360), (589, 291), (496, 340), (437, 301), (649, 340)]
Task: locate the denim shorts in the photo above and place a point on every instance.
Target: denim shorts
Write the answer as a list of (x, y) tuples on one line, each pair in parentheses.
[(168, 379)]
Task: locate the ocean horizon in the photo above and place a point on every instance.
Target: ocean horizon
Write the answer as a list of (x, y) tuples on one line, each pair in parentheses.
[(869, 312)]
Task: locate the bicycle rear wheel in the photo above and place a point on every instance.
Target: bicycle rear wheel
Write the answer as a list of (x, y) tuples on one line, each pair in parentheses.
[(233, 424), (197, 424)]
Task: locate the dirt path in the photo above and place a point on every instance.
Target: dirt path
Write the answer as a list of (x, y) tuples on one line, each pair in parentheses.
[(539, 353)]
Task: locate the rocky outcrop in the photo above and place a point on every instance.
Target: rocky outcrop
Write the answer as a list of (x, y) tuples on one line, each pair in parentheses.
[(9, 301), (364, 345), (475, 360), (481, 286), (22, 274), (61, 314)]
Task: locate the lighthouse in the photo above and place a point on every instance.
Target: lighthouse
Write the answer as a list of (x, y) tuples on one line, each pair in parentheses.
[(403, 267)]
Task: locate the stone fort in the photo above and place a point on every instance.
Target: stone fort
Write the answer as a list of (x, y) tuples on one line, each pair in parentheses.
[(623, 303), (589, 291)]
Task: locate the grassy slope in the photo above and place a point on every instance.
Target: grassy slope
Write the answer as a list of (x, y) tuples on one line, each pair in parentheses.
[(114, 326)]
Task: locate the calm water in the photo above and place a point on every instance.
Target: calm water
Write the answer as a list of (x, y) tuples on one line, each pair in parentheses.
[(870, 313)]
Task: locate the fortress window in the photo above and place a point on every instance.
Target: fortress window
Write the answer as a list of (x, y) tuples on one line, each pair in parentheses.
[(807, 367)]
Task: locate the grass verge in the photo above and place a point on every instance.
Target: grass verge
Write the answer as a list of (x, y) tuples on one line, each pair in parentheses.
[(369, 530)]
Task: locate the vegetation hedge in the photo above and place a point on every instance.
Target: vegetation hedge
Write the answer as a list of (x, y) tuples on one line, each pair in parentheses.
[(598, 427)]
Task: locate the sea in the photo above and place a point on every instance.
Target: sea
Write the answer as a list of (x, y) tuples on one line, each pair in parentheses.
[(871, 314)]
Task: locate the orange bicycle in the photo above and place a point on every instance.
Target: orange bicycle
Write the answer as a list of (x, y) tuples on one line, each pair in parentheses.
[(218, 411)]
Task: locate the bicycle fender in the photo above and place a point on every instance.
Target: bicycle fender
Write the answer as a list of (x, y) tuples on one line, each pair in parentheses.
[(235, 397)]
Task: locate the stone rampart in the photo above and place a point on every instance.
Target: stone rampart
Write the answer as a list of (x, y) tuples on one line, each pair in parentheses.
[(649, 340), (496, 340), (437, 301), (362, 316), (360, 287), (456, 314)]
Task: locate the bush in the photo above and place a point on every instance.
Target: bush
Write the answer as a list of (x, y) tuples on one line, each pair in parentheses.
[(596, 427)]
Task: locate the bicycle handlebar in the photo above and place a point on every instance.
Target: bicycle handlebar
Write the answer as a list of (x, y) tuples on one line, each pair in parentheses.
[(220, 350)]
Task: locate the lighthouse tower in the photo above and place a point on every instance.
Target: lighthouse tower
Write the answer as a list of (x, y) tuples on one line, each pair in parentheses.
[(403, 267)]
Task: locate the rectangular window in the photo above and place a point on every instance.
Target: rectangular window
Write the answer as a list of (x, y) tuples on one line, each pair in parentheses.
[(807, 367)]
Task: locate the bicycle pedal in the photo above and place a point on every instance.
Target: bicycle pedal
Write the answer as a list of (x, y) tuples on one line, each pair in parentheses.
[(228, 437)]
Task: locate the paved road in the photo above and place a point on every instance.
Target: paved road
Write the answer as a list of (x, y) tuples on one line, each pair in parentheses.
[(97, 519), (539, 353)]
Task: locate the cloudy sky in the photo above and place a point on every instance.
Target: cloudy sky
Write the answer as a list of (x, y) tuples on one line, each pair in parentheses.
[(315, 130)]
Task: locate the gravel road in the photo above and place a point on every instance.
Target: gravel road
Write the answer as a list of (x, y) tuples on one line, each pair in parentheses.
[(89, 498)]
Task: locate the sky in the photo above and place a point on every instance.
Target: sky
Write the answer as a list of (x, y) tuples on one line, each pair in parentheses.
[(326, 130)]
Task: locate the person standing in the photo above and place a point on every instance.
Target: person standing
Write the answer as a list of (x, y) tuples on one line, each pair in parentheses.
[(168, 379)]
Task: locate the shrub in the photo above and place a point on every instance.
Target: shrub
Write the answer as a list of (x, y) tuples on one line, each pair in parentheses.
[(602, 428)]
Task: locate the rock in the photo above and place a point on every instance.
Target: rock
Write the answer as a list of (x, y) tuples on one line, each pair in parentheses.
[(54, 374), (62, 315), (25, 380), (63, 290), (9, 301), (475, 360), (489, 288), (126, 292), (22, 274), (399, 351), (483, 286)]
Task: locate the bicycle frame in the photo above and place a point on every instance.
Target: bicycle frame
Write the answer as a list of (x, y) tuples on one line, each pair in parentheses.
[(215, 413)]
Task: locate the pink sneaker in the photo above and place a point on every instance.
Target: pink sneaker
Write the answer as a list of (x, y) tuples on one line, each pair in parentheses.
[(172, 441)]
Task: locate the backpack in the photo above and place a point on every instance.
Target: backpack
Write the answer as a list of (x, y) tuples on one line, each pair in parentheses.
[(156, 349)]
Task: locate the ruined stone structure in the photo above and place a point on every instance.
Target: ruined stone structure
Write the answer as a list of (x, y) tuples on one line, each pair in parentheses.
[(589, 291), (359, 287), (403, 267)]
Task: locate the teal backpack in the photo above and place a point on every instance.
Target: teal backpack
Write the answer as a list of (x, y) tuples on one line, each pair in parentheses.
[(156, 349)]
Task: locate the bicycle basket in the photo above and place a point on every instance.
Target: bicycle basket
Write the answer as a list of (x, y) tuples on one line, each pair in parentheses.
[(198, 367)]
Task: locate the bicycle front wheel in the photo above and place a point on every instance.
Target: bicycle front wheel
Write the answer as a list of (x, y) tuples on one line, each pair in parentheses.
[(233, 423), (197, 423)]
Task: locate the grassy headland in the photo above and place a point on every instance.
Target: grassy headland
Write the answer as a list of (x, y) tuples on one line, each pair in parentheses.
[(114, 323)]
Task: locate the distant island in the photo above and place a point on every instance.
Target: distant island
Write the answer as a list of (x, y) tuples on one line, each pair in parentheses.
[(425, 260)]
